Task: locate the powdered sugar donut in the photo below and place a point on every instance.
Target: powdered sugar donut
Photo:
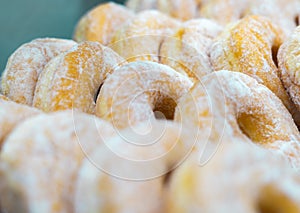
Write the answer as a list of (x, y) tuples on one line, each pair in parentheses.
[(250, 46), (242, 178), (11, 114), (141, 37), (281, 12), (101, 22), (288, 61), (40, 159), (187, 50), (234, 106), (25, 65), (137, 180), (135, 91), (72, 79)]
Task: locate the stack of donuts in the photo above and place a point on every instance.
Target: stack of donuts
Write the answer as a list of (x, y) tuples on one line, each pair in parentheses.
[(156, 106)]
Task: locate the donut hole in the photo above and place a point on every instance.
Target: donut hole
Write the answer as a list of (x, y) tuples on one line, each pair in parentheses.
[(274, 50), (272, 200), (167, 178), (164, 107), (97, 93), (297, 20), (255, 127)]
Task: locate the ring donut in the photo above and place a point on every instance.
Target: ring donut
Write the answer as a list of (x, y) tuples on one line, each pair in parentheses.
[(72, 79), (25, 65), (138, 90), (240, 178), (41, 157), (288, 61), (137, 179), (101, 22), (11, 114), (234, 106), (187, 50), (141, 37), (250, 46)]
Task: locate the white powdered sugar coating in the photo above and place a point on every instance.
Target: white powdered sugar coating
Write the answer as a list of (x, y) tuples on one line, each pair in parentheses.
[(133, 91), (141, 37), (72, 79), (289, 65), (187, 50), (12, 114), (239, 178), (25, 65), (41, 158), (220, 108), (249, 46), (130, 177)]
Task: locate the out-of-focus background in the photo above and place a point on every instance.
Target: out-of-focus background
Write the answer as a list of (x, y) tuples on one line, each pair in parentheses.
[(24, 20)]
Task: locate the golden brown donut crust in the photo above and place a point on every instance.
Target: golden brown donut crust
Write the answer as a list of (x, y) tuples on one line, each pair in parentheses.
[(72, 79), (25, 65)]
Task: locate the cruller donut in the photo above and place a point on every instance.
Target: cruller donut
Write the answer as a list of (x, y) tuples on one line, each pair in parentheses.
[(234, 106), (41, 157), (25, 65), (134, 92), (72, 79), (100, 23), (250, 46), (288, 60)]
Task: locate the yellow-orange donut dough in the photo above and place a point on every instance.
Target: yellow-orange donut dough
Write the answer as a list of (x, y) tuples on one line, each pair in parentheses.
[(25, 65), (100, 23), (72, 79)]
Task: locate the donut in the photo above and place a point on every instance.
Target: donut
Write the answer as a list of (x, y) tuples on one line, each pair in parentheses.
[(280, 12), (140, 5), (187, 51), (238, 178), (40, 159), (223, 11), (288, 61), (250, 46), (137, 179), (234, 106), (180, 9), (141, 37), (25, 65), (101, 22), (72, 79), (11, 114), (140, 91)]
